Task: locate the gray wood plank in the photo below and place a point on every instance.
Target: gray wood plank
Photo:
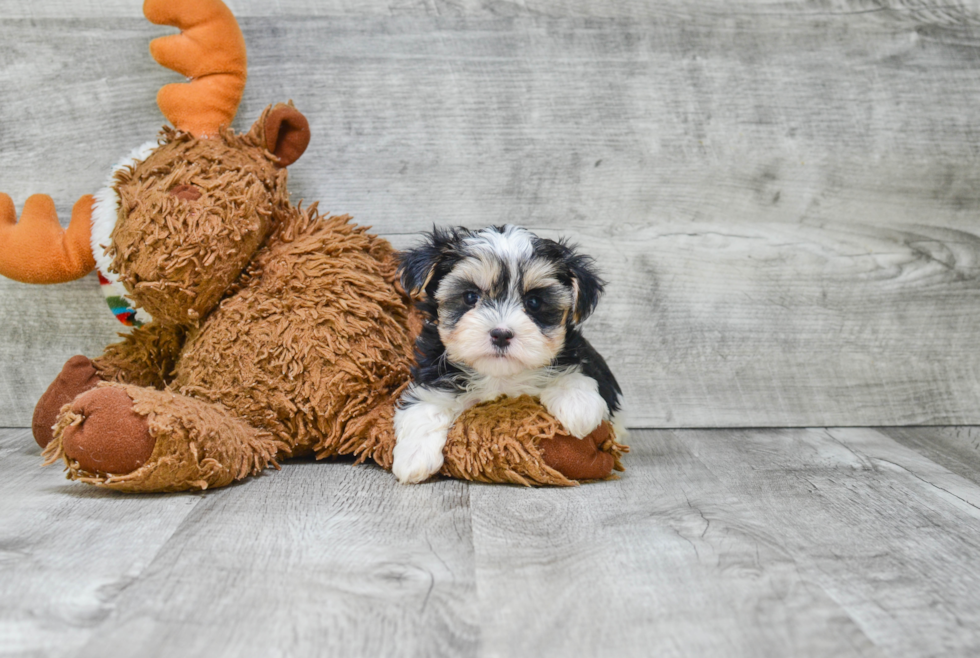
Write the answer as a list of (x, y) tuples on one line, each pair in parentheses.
[(753, 542), (824, 542), (67, 553), (664, 562), (890, 535), (384, 8), (950, 13), (319, 559), (954, 448), (782, 195)]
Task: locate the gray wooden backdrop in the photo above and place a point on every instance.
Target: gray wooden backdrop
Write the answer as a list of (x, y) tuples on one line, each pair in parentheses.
[(783, 195)]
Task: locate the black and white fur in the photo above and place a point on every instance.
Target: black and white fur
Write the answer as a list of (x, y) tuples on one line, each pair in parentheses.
[(502, 310)]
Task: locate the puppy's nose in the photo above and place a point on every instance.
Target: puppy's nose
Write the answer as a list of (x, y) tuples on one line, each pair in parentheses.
[(501, 337)]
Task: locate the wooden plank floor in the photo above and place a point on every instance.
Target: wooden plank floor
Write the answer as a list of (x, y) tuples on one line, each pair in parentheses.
[(794, 542)]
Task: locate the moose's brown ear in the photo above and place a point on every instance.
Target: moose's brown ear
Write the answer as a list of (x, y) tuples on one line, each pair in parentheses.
[(287, 133)]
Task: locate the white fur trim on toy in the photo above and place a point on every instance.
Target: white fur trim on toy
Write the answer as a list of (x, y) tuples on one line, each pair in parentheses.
[(105, 212)]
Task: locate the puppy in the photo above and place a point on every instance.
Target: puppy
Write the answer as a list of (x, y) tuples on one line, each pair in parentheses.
[(502, 310)]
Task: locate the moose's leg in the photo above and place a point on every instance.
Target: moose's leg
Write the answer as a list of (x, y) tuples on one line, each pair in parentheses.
[(144, 357), (77, 376), (133, 438), (593, 457)]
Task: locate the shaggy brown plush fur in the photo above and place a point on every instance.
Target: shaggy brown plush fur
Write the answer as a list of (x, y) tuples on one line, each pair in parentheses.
[(146, 356), (315, 337)]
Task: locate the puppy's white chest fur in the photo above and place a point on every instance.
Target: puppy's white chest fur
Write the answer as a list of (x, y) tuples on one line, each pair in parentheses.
[(482, 388)]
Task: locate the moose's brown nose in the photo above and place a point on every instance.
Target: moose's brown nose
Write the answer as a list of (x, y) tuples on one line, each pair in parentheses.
[(186, 192), (501, 337)]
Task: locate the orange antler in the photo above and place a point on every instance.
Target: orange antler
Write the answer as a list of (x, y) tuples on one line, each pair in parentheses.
[(211, 51), (38, 250)]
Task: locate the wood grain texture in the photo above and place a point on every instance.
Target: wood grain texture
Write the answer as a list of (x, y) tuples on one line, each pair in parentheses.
[(665, 562), (68, 552), (817, 542), (781, 194), (737, 543), (323, 559), (954, 448), (951, 12), (320, 559), (868, 521)]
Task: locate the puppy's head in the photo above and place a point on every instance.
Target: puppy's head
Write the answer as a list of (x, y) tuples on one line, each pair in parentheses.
[(502, 298)]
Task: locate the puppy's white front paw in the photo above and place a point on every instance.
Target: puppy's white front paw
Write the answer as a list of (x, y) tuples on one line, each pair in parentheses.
[(575, 402), (421, 427), (416, 461), (578, 417)]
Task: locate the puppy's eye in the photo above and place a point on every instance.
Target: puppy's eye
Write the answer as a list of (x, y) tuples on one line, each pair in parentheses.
[(532, 302), (471, 298)]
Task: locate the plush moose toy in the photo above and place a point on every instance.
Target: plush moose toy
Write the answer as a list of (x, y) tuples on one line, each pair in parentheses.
[(261, 330)]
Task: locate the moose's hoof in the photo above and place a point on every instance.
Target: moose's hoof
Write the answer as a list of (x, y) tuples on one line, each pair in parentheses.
[(579, 459), (111, 437), (77, 376)]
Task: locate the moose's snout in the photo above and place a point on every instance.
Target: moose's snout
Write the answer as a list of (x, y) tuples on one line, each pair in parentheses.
[(186, 193)]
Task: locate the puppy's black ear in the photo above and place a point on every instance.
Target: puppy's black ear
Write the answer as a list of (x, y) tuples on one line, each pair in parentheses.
[(587, 287), (418, 266)]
